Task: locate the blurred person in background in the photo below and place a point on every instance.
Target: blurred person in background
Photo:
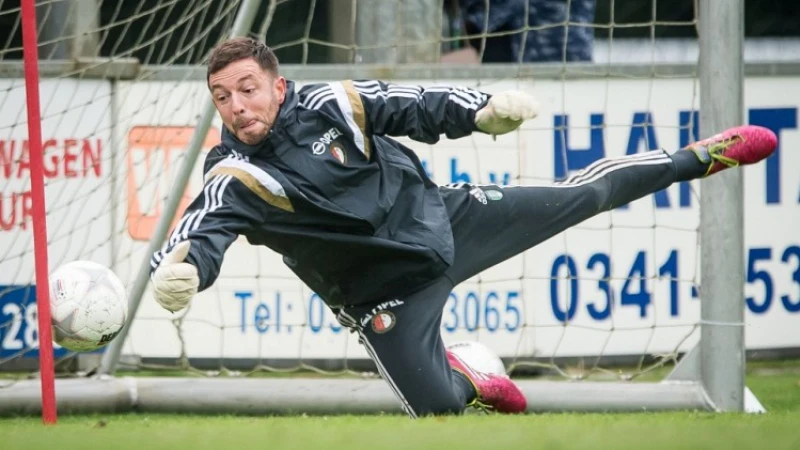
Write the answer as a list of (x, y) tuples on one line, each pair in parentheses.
[(546, 39)]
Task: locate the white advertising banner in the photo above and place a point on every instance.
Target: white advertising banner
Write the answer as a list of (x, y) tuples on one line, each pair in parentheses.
[(622, 283), (76, 131)]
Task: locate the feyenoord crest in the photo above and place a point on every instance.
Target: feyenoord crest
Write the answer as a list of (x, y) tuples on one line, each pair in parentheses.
[(383, 322), (338, 153)]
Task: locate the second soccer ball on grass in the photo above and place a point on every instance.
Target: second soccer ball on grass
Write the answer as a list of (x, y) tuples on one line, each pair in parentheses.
[(478, 356)]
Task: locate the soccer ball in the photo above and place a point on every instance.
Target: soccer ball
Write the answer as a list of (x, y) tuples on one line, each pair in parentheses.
[(479, 357), (88, 305)]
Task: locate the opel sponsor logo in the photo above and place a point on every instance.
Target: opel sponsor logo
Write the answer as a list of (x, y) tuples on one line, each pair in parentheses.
[(320, 145)]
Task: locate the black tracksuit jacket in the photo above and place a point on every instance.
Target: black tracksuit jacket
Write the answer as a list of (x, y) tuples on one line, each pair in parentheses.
[(351, 210)]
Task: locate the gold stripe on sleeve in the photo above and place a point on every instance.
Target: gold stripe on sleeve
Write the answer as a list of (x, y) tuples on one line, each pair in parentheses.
[(358, 112), (254, 185)]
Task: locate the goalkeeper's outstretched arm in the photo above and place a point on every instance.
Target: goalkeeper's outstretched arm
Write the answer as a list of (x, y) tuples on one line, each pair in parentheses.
[(191, 258), (423, 114)]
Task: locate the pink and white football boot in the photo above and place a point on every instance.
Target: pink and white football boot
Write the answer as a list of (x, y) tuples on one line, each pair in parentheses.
[(495, 392), (738, 146)]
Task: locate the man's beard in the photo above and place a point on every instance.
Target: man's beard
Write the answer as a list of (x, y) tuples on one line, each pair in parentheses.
[(253, 139)]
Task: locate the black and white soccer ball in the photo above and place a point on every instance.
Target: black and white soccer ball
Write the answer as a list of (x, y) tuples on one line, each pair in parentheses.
[(88, 305)]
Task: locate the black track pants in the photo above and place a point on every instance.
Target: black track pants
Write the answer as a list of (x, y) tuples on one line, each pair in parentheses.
[(490, 224)]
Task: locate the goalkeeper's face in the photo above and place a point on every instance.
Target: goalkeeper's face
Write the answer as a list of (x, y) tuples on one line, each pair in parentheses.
[(248, 99)]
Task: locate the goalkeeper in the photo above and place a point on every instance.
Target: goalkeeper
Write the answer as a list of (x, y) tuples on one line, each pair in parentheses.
[(313, 174)]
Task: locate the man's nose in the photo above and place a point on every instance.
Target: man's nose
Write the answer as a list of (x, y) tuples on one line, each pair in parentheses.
[(237, 104)]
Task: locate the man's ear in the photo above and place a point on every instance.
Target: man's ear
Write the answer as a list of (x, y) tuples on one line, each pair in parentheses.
[(280, 88)]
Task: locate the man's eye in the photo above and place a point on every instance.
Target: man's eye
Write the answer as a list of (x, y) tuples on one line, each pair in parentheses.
[(249, 90)]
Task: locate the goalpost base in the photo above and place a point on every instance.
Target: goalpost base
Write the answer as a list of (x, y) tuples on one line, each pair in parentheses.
[(688, 369), (316, 396)]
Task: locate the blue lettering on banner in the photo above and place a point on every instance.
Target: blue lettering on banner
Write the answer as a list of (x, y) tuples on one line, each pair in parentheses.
[(456, 176), (493, 311), (564, 261), (776, 119), (243, 296), (567, 158), (503, 180), (643, 135), (503, 311), (19, 326), (642, 132), (757, 274), (317, 319), (266, 315), (602, 260), (634, 292)]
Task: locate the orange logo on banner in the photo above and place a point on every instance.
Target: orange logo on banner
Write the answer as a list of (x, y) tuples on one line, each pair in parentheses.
[(155, 155)]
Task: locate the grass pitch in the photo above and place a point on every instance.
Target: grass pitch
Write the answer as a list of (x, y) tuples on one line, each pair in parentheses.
[(778, 388)]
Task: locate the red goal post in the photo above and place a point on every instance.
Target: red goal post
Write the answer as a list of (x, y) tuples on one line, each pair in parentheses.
[(39, 217)]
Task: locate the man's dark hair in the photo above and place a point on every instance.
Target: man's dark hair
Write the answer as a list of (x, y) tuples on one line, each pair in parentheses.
[(239, 48)]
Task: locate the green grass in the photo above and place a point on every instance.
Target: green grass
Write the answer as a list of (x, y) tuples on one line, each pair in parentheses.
[(589, 431), (776, 385)]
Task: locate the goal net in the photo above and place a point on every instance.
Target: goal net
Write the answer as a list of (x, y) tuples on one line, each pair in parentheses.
[(613, 299)]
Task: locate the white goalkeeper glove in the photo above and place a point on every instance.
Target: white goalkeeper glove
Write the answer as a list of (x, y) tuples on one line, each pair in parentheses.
[(175, 281), (505, 112)]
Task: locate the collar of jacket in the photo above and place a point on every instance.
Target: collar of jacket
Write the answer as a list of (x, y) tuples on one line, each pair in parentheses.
[(285, 118)]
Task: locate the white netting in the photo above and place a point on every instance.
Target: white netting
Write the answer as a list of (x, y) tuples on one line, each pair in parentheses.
[(85, 166), (618, 285)]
